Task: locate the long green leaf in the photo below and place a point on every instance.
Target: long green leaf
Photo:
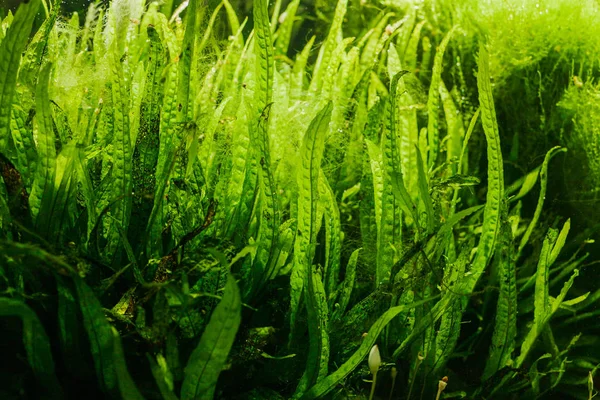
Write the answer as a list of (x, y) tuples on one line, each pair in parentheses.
[(411, 51), (538, 327), (43, 191), (11, 48), (495, 194), (456, 129), (165, 163), (542, 296), (375, 162), (433, 101), (159, 376), (264, 51), (209, 357), (326, 52), (146, 150), (299, 70), (317, 362), (390, 226), (234, 22), (284, 33), (185, 63), (348, 285), (37, 49), (22, 137), (122, 178), (305, 247), (449, 331), (333, 239), (424, 193), (239, 152), (62, 211), (269, 218), (108, 356), (505, 328), (542, 196), (307, 180), (560, 242)]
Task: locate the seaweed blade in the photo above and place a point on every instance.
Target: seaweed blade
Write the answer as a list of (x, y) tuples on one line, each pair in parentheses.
[(10, 58), (495, 194), (209, 357), (505, 329)]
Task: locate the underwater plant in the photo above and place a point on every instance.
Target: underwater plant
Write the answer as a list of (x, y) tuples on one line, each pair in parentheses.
[(259, 200)]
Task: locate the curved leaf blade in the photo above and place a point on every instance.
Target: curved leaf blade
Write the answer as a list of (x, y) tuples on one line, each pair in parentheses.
[(209, 357), (495, 195), (106, 349), (10, 58)]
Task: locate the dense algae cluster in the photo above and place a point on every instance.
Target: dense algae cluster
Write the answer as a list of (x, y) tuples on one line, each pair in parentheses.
[(293, 199)]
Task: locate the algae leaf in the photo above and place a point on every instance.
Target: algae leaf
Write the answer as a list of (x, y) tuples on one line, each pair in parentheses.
[(10, 57), (542, 196), (433, 100), (305, 248), (37, 344), (285, 30), (268, 202), (44, 191), (161, 379), (505, 329), (545, 305), (207, 359), (185, 64), (495, 195), (108, 355), (424, 192), (391, 219), (348, 284), (122, 182), (304, 245), (326, 52)]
